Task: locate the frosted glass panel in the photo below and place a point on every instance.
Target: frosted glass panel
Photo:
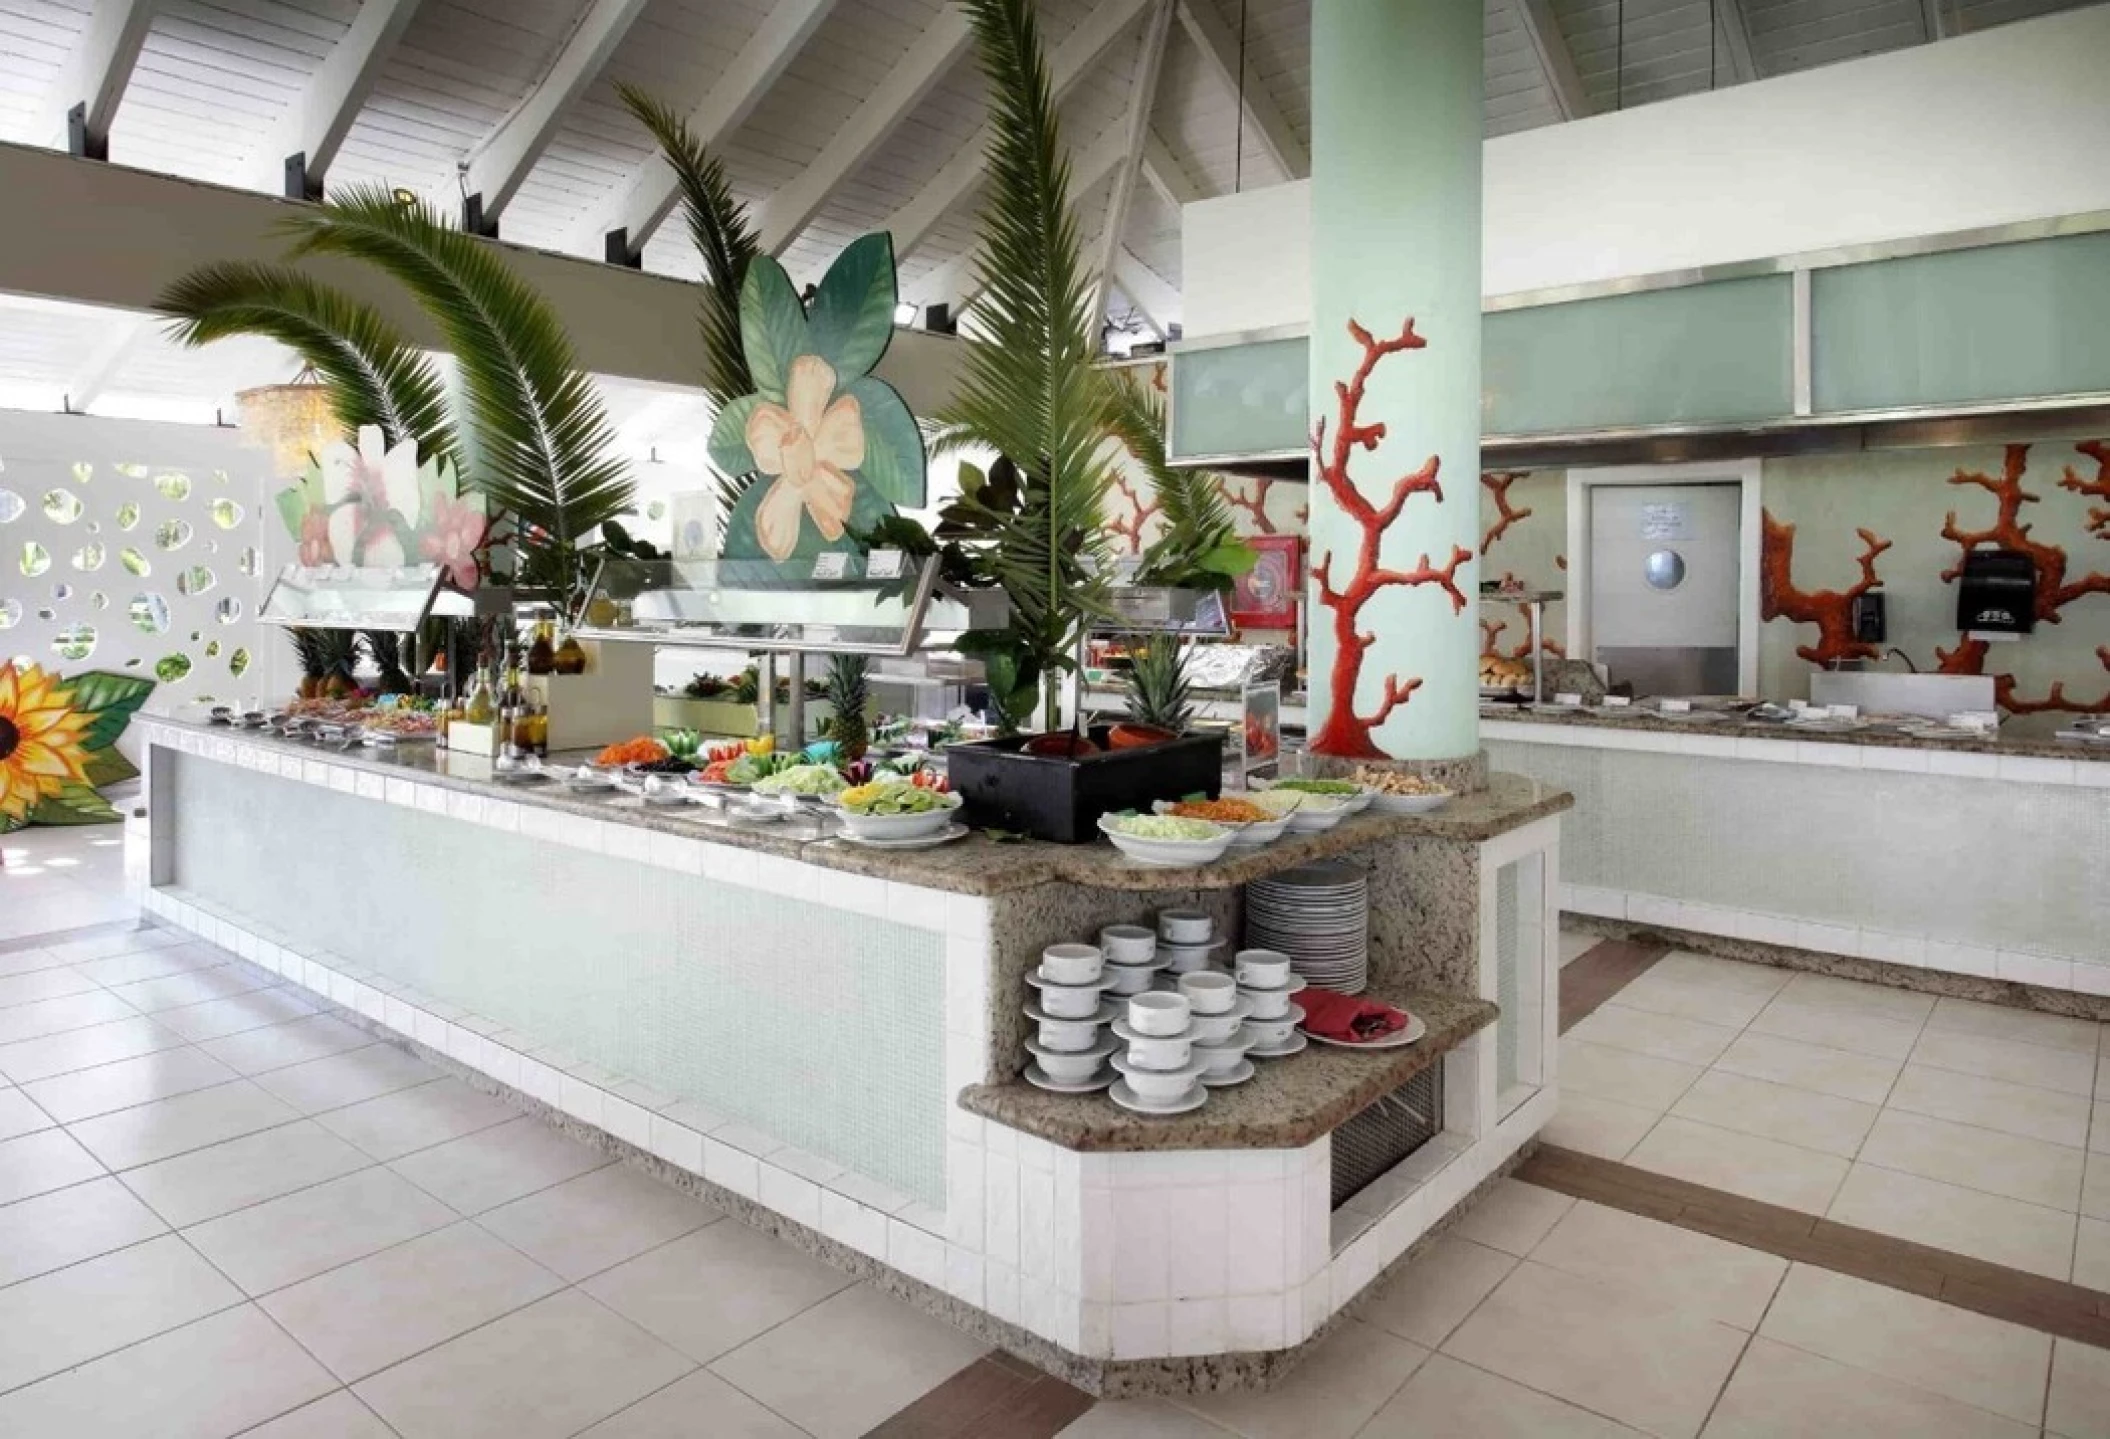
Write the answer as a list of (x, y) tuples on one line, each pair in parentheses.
[(1704, 353), (2001, 322), (1241, 400), (1509, 989)]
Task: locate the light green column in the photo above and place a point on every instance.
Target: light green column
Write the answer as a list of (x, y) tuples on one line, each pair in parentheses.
[(1395, 377)]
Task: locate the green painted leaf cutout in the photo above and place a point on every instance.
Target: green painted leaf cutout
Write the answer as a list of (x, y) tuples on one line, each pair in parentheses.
[(772, 326), (74, 804), (852, 317), (894, 461), (109, 766), (111, 699), (729, 451)]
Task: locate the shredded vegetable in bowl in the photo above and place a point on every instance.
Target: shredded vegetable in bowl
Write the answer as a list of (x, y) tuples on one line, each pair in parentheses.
[(1221, 811), (1275, 802), (1163, 826), (815, 779), (894, 797)]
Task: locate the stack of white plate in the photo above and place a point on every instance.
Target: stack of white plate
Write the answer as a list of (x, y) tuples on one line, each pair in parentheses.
[(1318, 915)]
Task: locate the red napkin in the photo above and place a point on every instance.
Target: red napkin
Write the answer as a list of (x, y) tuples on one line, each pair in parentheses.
[(1347, 1018)]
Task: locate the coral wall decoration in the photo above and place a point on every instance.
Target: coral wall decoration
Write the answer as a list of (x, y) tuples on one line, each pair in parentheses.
[(2055, 589), (1128, 516), (1498, 484), (1255, 504), (1830, 610), (1346, 733)]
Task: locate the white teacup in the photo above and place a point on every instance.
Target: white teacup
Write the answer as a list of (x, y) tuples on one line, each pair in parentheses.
[(1213, 1028), (1069, 1001), (1185, 926), (1127, 979), (1071, 963), (1069, 1036), (1261, 968), (1158, 1014), (1209, 991), (1185, 958), (1128, 943), (1160, 1054), (1267, 1003)]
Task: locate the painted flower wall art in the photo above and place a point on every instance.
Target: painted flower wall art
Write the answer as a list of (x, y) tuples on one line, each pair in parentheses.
[(368, 504), (58, 744)]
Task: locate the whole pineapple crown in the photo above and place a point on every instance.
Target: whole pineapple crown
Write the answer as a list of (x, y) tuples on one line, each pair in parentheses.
[(1158, 692)]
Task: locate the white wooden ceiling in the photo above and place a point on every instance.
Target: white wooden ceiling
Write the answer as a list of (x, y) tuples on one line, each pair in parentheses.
[(834, 117)]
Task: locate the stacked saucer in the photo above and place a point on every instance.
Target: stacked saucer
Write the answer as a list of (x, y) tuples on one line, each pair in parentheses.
[(1160, 1073), (1217, 1021), (1186, 940), (1318, 915), (1265, 985), (1071, 1051), (1132, 961)]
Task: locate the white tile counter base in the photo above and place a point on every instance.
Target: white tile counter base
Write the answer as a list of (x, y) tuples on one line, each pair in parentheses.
[(1112, 1257)]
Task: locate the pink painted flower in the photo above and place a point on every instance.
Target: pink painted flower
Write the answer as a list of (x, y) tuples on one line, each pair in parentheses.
[(375, 480), (315, 538), (453, 531), (809, 445)]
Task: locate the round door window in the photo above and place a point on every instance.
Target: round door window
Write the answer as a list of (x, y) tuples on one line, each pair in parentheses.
[(1664, 570)]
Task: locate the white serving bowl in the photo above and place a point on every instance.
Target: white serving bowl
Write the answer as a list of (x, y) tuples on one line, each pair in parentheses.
[(1410, 803), (1261, 968), (1170, 852), (1209, 991), (1268, 1033), (1071, 1036), (1316, 814), (1220, 1058), (1157, 1052), (898, 826), (1071, 1066), (1071, 963), (1185, 926), (1127, 979), (1128, 943), (1160, 1086), (1217, 1028), (1259, 832), (1158, 1014), (1356, 803)]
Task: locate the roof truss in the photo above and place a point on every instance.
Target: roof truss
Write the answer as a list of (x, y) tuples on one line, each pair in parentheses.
[(82, 102), (1135, 130), (1556, 62), (1732, 41), (299, 151), (1219, 46)]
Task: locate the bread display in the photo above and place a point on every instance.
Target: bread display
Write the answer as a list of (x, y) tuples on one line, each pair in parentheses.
[(1500, 673)]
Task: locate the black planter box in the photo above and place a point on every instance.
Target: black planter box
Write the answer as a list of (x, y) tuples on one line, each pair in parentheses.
[(1061, 799)]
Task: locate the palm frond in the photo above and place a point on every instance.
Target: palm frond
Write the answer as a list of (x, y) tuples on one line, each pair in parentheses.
[(374, 375), (1197, 521), (544, 447)]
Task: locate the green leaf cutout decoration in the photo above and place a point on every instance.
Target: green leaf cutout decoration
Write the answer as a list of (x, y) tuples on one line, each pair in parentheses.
[(111, 699), (729, 451), (894, 455), (852, 319), (74, 804), (773, 328), (109, 766)]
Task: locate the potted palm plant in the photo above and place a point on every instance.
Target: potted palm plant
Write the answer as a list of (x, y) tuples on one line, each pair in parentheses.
[(1158, 695)]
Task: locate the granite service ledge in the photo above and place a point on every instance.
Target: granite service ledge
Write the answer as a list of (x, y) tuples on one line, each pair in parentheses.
[(2005, 743), (976, 865), (1287, 1104)]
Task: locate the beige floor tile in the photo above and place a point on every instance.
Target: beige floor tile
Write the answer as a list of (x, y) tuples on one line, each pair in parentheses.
[(277, 1046), (2008, 1164), (1609, 1351), (2095, 1187), (1431, 1297), (380, 1310), (1778, 1391), (2091, 1254), (1332, 1394), (197, 986), (2001, 1021), (1733, 1005), (205, 1183), (165, 1128), (1810, 1066), (215, 1019), (1575, 944), (43, 1161), (1662, 1036), (347, 1078), (35, 1059), (543, 1372), (1598, 1126), (1449, 1400), (700, 1404), (585, 1225), (712, 1291), (1968, 1221), (881, 1354), (38, 984), (1869, 1034), (1853, 996), (154, 963), (72, 1315), (217, 1376), (296, 1236), (66, 1226), (1513, 1216), (1823, 1122), (2079, 1407), (58, 1015), (1622, 1077), (115, 942), (412, 1119), (1682, 966), (1967, 1357), (1140, 1419), (2102, 1073), (1992, 1104), (498, 1165), (86, 1093), (1763, 1169), (19, 1114), (2065, 1070), (334, 1416), (2098, 1129), (1693, 1273)]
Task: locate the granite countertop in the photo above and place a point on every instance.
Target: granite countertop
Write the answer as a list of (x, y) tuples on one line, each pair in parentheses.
[(975, 865), (2016, 737), (1287, 1104)]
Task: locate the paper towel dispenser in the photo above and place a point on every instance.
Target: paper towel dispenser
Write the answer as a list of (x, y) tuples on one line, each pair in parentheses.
[(1996, 595)]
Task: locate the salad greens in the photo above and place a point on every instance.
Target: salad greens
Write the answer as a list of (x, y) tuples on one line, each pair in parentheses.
[(814, 779), (1320, 786), (879, 798)]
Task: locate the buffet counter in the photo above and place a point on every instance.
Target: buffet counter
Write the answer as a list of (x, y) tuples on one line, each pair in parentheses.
[(788, 1022), (1971, 865)]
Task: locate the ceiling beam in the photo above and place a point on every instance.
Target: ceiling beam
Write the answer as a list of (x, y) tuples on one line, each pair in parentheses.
[(1135, 129), (1732, 38), (1938, 19), (896, 97), (623, 227), (87, 384), (502, 163), (1147, 290), (1219, 46), (963, 174), (82, 103), (300, 149), (1164, 173), (1556, 62)]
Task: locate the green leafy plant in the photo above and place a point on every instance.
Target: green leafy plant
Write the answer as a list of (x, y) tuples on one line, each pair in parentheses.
[(1158, 693), (1197, 548)]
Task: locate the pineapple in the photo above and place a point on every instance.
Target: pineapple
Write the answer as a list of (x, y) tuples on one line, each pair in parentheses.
[(340, 651), (314, 661), (847, 692), (1157, 686), (387, 650)]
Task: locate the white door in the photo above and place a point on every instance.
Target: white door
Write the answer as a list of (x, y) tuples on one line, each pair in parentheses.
[(1665, 577)]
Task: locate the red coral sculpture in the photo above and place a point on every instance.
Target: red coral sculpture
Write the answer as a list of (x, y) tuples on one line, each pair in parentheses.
[(2055, 590), (1497, 483), (1129, 525), (1255, 504), (1831, 611), (1347, 734)]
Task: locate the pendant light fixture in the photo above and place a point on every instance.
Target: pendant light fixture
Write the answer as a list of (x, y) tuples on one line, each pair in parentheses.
[(292, 421)]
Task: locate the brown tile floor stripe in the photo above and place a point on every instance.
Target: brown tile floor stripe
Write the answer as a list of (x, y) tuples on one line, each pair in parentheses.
[(2071, 1311), (996, 1397), (1600, 972)]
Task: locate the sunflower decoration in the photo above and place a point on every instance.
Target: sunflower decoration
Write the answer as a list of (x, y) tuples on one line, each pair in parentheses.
[(58, 744)]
